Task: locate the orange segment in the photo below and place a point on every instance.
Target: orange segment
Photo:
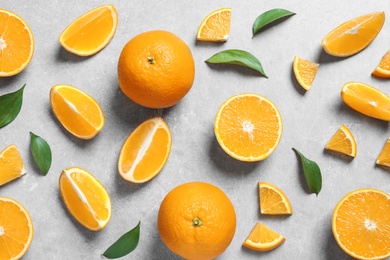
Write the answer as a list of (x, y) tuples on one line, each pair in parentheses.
[(383, 69), (248, 127), (16, 229), (77, 111), (273, 200), (215, 27), (91, 32), (145, 151), (384, 156), (361, 224), (305, 72), (354, 35), (343, 142), (16, 44), (262, 238), (85, 198), (11, 164)]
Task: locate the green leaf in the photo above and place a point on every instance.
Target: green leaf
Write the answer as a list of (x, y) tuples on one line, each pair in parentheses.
[(10, 105), (238, 57), (312, 173), (41, 152), (125, 244), (269, 17)]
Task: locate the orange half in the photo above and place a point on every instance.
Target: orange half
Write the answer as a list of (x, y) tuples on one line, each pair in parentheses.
[(215, 27), (383, 69), (343, 142), (273, 200), (11, 165), (305, 72), (262, 238)]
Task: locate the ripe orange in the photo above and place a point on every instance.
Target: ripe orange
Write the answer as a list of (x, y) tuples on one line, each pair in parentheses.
[(343, 142), (215, 27), (383, 69), (156, 69), (262, 238), (11, 164), (383, 158), (273, 200), (16, 44), (197, 221), (305, 72)]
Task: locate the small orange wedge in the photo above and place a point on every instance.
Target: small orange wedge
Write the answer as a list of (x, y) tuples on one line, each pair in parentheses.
[(305, 72), (262, 238), (11, 165), (273, 200), (343, 142), (77, 111), (383, 158), (383, 69), (215, 27), (91, 32), (145, 151), (354, 35)]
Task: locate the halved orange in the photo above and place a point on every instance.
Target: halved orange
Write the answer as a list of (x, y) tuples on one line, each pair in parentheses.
[(248, 127), (11, 164), (343, 142), (145, 151), (273, 200), (262, 238), (383, 158), (85, 197), (354, 35), (91, 32), (215, 27), (383, 69), (16, 44), (77, 111), (361, 224), (305, 72)]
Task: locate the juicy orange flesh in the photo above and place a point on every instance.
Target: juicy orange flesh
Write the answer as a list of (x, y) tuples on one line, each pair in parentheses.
[(217, 27), (11, 165), (271, 202), (307, 71), (384, 156), (262, 234), (340, 143)]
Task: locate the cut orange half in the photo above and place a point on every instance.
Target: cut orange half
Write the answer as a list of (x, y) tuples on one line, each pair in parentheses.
[(262, 238), (342, 142), (11, 165), (215, 27), (273, 200), (91, 32), (354, 35), (383, 69), (305, 72), (383, 158), (145, 151), (16, 44), (77, 111)]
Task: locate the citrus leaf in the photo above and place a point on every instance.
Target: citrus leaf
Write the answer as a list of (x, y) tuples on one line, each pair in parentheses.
[(269, 17), (238, 57), (10, 105), (125, 244), (41, 152)]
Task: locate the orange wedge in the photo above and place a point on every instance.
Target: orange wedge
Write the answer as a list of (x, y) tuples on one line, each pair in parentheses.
[(145, 151), (16, 44), (215, 27), (273, 200), (361, 224), (262, 238), (342, 142), (354, 35), (11, 165), (77, 111), (383, 69), (85, 197), (248, 127), (305, 72), (91, 32), (383, 158)]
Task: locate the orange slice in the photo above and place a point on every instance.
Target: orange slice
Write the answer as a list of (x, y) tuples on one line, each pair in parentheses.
[(354, 35), (273, 200), (383, 158), (366, 100), (383, 69), (262, 238), (361, 224), (11, 165), (16, 44), (77, 111), (145, 151), (85, 198), (248, 127), (215, 27), (91, 32), (342, 142), (305, 72)]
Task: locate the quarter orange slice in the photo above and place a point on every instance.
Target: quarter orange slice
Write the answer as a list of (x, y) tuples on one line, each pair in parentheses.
[(383, 158), (343, 142), (383, 69), (262, 238), (361, 224), (85, 197), (273, 200), (354, 35), (11, 165), (16, 44), (145, 151), (305, 72), (248, 127), (215, 27), (91, 32), (77, 111)]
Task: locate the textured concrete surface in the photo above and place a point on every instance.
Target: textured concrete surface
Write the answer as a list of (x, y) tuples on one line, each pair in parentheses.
[(310, 119)]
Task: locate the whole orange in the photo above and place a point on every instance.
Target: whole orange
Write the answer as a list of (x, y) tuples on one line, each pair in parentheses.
[(197, 220), (156, 69)]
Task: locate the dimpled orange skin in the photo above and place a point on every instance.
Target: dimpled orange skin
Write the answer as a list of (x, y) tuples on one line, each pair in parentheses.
[(156, 69)]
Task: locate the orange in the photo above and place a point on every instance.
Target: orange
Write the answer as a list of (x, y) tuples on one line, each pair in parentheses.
[(343, 142), (305, 72), (16, 44), (196, 221), (11, 165), (85, 197), (262, 238), (383, 158), (248, 127), (383, 69), (354, 35), (273, 200), (156, 69), (145, 151), (91, 32), (366, 100), (215, 27), (361, 224), (77, 111)]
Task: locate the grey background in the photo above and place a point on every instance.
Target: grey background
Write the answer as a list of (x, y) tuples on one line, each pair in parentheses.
[(310, 119)]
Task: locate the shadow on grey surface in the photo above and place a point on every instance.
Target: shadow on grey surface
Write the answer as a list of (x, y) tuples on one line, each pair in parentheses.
[(65, 56), (124, 187), (296, 84), (332, 250), (343, 157), (8, 81), (159, 251), (323, 57), (236, 69)]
